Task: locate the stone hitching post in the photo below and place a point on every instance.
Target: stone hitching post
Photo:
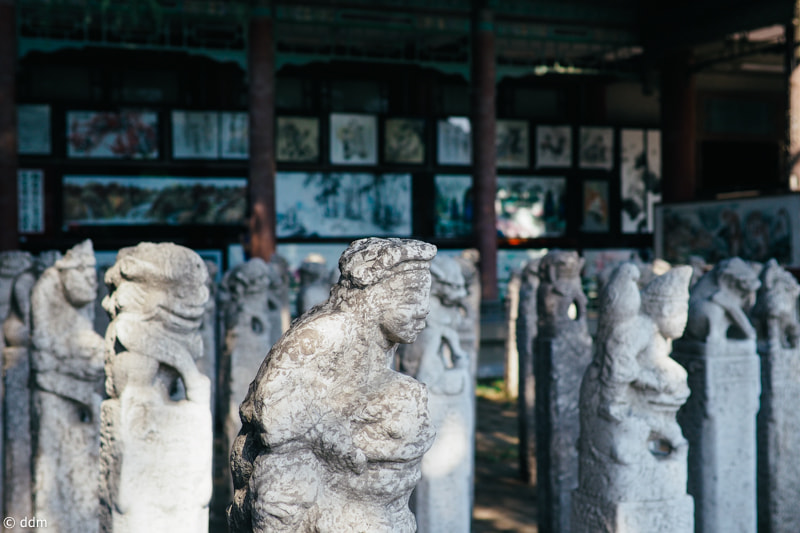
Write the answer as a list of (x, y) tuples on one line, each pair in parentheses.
[(67, 379), (563, 350), (155, 452), (527, 328), (775, 320), (442, 499), (332, 438), (719, 419), (633, 455)]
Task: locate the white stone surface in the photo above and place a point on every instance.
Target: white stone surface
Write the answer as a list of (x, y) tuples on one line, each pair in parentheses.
[(719, 419), (67, 375), (332, 438), (633, 471), (156, 452)]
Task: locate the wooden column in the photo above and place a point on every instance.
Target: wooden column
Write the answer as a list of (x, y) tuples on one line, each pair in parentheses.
[(483, 149), (8, 127), (678, 137), (793, 119), (261, 72)]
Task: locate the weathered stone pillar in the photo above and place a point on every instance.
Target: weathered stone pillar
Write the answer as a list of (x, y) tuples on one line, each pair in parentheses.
[(678, 137), (442, 498), (719, 419), (209, 330), (527, 329), (8, 128), (563, 351), (155, 452), (484, 152), (632, 452), (315, 283), (778, 331), (66, 366), (261, 74), (511, 303), (332, 438)]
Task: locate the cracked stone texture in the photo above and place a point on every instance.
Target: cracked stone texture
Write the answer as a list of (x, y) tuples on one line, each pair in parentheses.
[(332, 438), (155, 449), (633, 456), (718, 350)]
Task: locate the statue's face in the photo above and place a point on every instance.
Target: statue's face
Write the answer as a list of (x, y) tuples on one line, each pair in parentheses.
[(673, 317), (406, 305), (80, 284)]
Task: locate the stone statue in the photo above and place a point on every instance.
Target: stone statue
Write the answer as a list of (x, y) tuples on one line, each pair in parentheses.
[(776, 324), (331, 437), (155, 450), (718, 350), (632, 453), (12, 263), (208, 363), (563, 350), (527, 330), (315, 283), (442, 499), (67, 377)]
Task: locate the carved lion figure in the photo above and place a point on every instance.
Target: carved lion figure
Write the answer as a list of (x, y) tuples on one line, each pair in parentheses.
[(775, 312)]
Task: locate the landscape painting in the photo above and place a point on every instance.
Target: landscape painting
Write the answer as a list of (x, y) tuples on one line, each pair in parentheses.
[(297, 139), (511, 141), (596, 148), (234, 135), (530, 207), (353, 139), (640, 178), (109, 134), (195, 135), (454, 206), (33, 129), (553, 146), (404, 140), (454, 141), (318, 204), (139, 200)]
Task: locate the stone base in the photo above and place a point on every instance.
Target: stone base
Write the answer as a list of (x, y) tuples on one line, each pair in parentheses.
[(591, 515), (155, 464), (17, 478)]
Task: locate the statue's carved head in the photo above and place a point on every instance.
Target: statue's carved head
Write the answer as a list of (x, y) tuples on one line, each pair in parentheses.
[(78, 275), (666, 300), (560, 265), (448, 284), (738, 278)]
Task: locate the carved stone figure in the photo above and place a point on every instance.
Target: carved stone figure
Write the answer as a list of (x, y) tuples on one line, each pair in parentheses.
[(331, 437), (511, 305), (527, 330), (719, 419), (67, 376), (775, 320), (563, 351), (17, 492), (632, 454), (155, 450), (208, 363), (470, 330), (442, 499), (315, 283), (12, 263)]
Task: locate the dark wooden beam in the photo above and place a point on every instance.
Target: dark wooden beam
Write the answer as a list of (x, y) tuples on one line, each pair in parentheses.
[(9, 237)]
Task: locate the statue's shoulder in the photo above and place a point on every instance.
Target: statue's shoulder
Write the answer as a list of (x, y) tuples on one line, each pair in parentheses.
[(318, 334)]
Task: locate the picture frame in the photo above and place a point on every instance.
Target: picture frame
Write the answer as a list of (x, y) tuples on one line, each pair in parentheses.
[(342, 204), (33, 129), (754, 229), (553, 146), (195, 135), (596, 217), (512, 142), (596, 148), (234, 135), (297, 139), (531, 207), (453, 206), (454, 141), (404, 141), (353, 139), (137, 200), (640, 178), (30, 193), (126, 134)]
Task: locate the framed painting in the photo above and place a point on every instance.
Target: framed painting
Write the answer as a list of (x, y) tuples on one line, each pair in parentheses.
[(195, 135), (316, 204), (33, 129), (234, 135), (404, 140), (353, 139), (553, 146), (595, 206), (112, 135), (755, 229), (512, 143), (596, 148), (138, 200), (30, 192), (454, 206), (454, 141), (531, 207), (297, 140), (640, 178)]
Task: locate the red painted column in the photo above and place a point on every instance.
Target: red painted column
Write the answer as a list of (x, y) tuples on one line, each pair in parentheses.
[(484, 152), (678, 129), (261, 72), (793, 111), (8, 128)]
